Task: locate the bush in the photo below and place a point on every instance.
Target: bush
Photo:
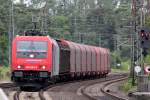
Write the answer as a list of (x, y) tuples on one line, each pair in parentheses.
[(147, 59), (115, 58), (125, 65), (4, 73), (127, 86), (4, 50)]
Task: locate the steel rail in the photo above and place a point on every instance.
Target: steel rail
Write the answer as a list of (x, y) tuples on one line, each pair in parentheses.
[(108, 93), (16, 95), (109, 81)]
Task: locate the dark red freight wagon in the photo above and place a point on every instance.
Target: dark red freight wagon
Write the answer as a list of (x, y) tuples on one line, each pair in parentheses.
[(88, 60), (64, 65), (98, 61), (84, 59), (94, 70)]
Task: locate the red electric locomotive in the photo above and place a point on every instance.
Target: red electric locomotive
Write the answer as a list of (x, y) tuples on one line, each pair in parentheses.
[(43, 59), (31, 58)]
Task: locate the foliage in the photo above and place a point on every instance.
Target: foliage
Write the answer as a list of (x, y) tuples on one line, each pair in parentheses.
[(22, 18), (4, 15), (125, 65), (83, 21), (59, 25), (4, 73), (3, 50), (125, 53), (147, 59), (147, 22), (116, 59), (127, 86)]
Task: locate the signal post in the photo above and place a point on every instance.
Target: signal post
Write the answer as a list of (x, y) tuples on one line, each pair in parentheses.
[(140, 50), (143, 85)]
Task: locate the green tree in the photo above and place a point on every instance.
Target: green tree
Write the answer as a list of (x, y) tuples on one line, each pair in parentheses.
[(3, 50)]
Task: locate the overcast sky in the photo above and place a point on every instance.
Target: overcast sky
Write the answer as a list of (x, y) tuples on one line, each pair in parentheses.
[(16, 1)]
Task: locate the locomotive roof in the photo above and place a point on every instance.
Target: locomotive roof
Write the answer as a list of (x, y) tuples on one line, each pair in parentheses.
[(37, 37)]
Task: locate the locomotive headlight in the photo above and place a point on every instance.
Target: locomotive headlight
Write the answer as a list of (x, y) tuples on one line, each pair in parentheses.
[(43, 67), (18, 67), (31, 55)]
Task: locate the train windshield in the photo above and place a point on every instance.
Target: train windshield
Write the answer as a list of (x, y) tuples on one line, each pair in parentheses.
[(31, 49)]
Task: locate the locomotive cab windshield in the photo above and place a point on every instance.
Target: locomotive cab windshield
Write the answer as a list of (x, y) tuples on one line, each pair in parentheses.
[(32, 49)]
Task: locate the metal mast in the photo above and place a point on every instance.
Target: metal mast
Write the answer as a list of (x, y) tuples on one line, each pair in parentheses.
[(138, 22), (11, 28)]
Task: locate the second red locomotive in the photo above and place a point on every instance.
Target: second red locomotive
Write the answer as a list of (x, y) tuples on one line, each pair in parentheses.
[(41, 58)]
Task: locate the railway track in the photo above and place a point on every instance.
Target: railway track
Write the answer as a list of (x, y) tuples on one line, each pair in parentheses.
[(104, 88), (41, 95), (16, 95), (27, 95), (22, 95), (7, 85), (107, 92)]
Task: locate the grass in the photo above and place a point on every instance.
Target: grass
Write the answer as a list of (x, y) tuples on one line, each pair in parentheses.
[(4, 73), (119, 70), (127, 86), (125, 67)]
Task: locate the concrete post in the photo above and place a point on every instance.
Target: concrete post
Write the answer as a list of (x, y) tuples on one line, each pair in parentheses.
[(142, 84)]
